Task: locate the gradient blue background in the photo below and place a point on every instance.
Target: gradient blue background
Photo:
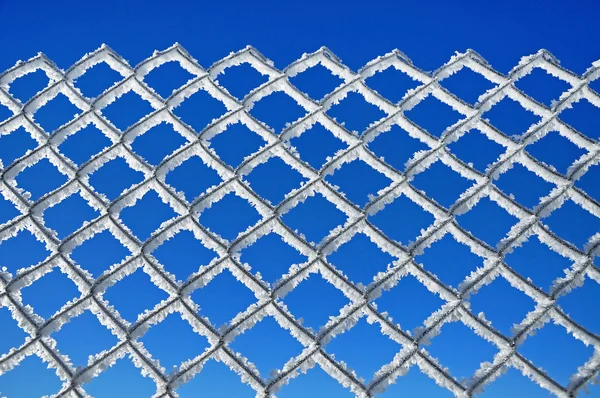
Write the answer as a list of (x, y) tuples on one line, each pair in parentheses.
[(429, 34)]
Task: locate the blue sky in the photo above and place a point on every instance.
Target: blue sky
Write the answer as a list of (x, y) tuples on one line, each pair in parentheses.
[(429, 34)]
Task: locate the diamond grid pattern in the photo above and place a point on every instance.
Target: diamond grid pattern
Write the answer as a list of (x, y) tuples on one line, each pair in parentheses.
[(456, 307)]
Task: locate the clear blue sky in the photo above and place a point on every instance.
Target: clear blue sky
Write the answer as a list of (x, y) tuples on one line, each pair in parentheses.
[(429, 33)]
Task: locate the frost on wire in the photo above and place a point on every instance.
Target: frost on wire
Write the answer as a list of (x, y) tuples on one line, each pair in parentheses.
[(456, 307)]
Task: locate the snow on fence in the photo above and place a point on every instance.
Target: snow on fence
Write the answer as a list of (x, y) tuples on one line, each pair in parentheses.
[(456, 308)]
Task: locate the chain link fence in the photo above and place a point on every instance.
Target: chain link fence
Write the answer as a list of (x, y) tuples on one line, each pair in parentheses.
[(456, 307)]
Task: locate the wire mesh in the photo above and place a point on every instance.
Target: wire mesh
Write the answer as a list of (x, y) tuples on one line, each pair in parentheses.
[(269, 296)]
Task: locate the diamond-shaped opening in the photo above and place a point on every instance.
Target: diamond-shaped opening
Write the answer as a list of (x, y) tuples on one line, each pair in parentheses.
[(15, 145), (545, 150), (274, 179), (127, 110), (5, 112), (524, 185), (358, 181), (535, 261), (449, 260), (40, 179), (83, 337), (589, 182), (281, 257), (21, 251), (277, 110), (414, 220), (580, 305), (409, 303), (360, 259), (200, 110), (442, 184), (230, 216), (110, 383), (467, 85), (49, 293), (218, 381), (114, 177), (477, 150), (595, 84), (396, 147), (69, 215), (55, 113), (18, 381), (510, 117), (25, 87), (129, 305), (183, 254), (239, 80), (193, 177), (568, 353), (355, 113), (463, 351), (84, 144), (514, 384), (316, 145), (433, 115), (315, 217), (415, 380), (233, 298), (174, 341), (316, 81), (167, 78), (246, 143), (157, 143), (392, 84), (267, 345), (352, 345), (147, 215), (503, 313), (314, 383), (8, 211), (97, 79), (542, 86), (487, 221), (573, 223), (11, 335), (314, 301), (99, 253)]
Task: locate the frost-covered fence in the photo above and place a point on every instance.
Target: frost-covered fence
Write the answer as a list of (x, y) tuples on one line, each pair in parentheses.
[(456, 308)]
